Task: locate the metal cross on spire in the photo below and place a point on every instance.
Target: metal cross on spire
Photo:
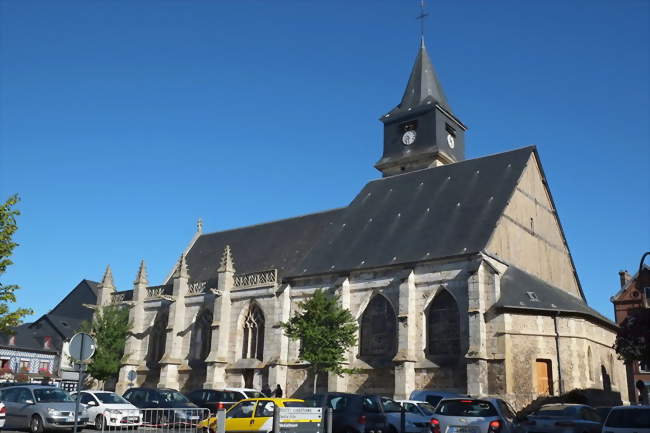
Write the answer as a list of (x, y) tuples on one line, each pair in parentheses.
[(421, 17)]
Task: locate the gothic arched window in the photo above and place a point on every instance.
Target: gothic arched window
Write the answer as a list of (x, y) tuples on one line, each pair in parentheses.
[(157, 339), (443, 326), (253, 344), (378, 328), (201, 338), (590, 365)]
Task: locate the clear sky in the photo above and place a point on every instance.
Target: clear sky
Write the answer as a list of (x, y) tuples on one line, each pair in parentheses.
[(123, 121)]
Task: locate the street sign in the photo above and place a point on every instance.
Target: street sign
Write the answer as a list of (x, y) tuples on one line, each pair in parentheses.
[(300, 419), (82, 347), (131, 375)]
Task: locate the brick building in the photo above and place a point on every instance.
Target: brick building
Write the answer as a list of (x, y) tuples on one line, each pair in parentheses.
[(634, 293)]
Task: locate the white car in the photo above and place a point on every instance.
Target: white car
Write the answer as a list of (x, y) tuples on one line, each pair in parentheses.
[(247, 392), (3, 415), (628, 419), (417, 407), (107, 409)]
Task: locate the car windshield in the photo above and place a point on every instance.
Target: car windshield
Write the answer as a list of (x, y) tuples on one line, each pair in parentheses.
[(427, 408), (629, 418), (254, 394), (390, 405), (173, 397), (467, 408), (554, 411), (51, 395), (110, 398)]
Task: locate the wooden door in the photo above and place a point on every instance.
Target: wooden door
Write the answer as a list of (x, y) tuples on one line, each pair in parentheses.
[(544, 375)]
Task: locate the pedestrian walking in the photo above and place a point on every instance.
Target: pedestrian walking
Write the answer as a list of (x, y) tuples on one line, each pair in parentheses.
[(278, 391), (266, 390), (643, 392)]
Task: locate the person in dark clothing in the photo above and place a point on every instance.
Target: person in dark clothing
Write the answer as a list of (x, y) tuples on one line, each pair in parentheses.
[(266, 390), (278, 391), (643, 392)]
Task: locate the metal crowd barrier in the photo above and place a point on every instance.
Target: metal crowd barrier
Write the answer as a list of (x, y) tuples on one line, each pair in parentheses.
[(176, 420)]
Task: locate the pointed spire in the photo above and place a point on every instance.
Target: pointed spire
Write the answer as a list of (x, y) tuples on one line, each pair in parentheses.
[(423, 85), (141, 277), (181, 269), (227, 263), (107, 280)]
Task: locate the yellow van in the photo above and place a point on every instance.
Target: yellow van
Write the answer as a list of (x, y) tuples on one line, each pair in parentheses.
[(250, 415)]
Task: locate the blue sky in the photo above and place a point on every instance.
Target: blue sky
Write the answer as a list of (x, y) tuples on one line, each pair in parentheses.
[(122, 122)]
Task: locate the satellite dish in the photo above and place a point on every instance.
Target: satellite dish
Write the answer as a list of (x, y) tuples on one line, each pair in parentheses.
[(82, 347)]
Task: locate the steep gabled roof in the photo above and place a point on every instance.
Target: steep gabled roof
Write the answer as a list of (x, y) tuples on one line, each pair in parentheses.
[(619, 296), (428, 214)]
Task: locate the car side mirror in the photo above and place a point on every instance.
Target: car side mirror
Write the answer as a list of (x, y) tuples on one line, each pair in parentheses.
[(29, 401)]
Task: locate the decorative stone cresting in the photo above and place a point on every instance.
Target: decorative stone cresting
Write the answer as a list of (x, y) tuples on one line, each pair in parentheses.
[(256, 279)]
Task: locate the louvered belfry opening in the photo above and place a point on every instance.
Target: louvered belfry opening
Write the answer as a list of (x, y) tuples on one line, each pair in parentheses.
[(253, 344)]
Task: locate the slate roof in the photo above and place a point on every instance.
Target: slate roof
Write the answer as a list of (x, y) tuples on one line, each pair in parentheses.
[(60, 323), (423, 86), (274, 245), (427, 214), (516, 284)]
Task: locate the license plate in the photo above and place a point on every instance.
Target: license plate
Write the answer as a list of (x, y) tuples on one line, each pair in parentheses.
[(70, 419), (460, 429)]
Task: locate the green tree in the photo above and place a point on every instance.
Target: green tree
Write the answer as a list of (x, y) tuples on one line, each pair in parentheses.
[(633, 336), (325, 331), (8, 318), (110, 328)]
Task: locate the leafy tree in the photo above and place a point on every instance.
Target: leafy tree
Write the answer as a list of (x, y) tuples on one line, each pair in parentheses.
[(325, 331), (110, 328), (8, 318), (633, 337)]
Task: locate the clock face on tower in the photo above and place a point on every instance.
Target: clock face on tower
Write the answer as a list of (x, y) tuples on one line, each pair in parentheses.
[(408, 138), (451, 141)]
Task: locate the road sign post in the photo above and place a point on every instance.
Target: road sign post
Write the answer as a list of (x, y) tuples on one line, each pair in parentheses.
[(81, 348)]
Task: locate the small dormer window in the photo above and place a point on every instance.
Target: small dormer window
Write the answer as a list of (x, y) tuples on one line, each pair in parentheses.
[(12, 340), (47, 343), (532, 296)]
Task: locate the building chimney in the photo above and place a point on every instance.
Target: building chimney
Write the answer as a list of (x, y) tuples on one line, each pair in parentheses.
[(625, 277)]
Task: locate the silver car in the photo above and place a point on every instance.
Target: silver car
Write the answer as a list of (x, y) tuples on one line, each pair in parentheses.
[(563, 418), (471, 415), (628, 419), (39, 408)]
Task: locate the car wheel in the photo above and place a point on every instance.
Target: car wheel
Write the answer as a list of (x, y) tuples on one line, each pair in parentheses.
[(100, 423), (36, 424)]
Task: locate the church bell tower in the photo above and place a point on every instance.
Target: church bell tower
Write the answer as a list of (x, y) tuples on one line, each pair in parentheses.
[(421, 132)]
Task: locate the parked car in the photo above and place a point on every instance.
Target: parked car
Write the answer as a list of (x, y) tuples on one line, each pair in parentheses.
[(352, 413), (418, 407), (3, 415), (40, 408), (164, 406), (413, 423), (107, 409), (250, 415), (628, 419), (489, 415), (211, 398), (563, 418), (432, 396)]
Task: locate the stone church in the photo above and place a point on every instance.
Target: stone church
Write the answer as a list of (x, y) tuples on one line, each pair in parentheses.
[(457, 270)]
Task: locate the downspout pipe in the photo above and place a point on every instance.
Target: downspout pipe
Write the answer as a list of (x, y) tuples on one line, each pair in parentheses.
[(557, 351)]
